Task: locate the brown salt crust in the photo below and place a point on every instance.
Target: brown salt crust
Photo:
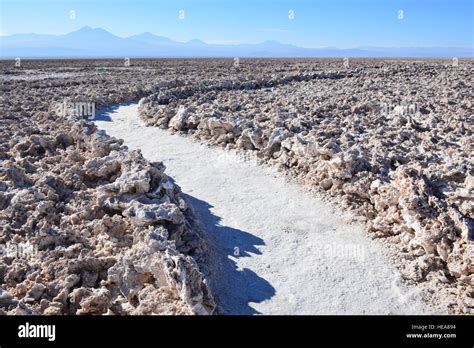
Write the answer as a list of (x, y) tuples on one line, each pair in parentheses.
[(391, 140), (100, 229)]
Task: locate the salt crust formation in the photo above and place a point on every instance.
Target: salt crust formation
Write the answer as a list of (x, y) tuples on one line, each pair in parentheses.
[(391, 140), (86, 226)]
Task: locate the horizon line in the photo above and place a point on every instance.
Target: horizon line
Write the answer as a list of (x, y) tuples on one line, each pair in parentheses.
[(2, 35)]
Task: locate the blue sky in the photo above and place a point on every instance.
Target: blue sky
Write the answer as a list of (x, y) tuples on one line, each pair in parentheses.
[(316, 23)]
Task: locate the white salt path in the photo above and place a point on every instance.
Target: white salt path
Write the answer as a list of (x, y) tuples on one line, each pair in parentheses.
[(278, 250)]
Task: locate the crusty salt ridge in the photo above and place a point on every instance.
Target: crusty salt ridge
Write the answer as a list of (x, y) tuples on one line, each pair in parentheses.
[(113, 233), (101, 230), (277, 250)]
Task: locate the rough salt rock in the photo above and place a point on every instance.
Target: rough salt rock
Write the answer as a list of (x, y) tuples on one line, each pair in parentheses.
[(131, 182), (326, 184), (178, 122), (216, 126), (146, 264), (36, 291), (103, 167), (274, 142), (251, 139), (147, 214), (98, 302), (7, 300)]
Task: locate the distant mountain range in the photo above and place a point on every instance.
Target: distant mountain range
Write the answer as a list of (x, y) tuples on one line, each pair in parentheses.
[(99, 43)]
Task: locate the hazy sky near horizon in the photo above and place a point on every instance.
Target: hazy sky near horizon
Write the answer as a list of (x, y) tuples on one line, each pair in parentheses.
[(316, 23)]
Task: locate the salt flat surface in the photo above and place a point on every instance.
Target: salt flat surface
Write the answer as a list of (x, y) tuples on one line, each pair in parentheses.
[(275, 248)]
